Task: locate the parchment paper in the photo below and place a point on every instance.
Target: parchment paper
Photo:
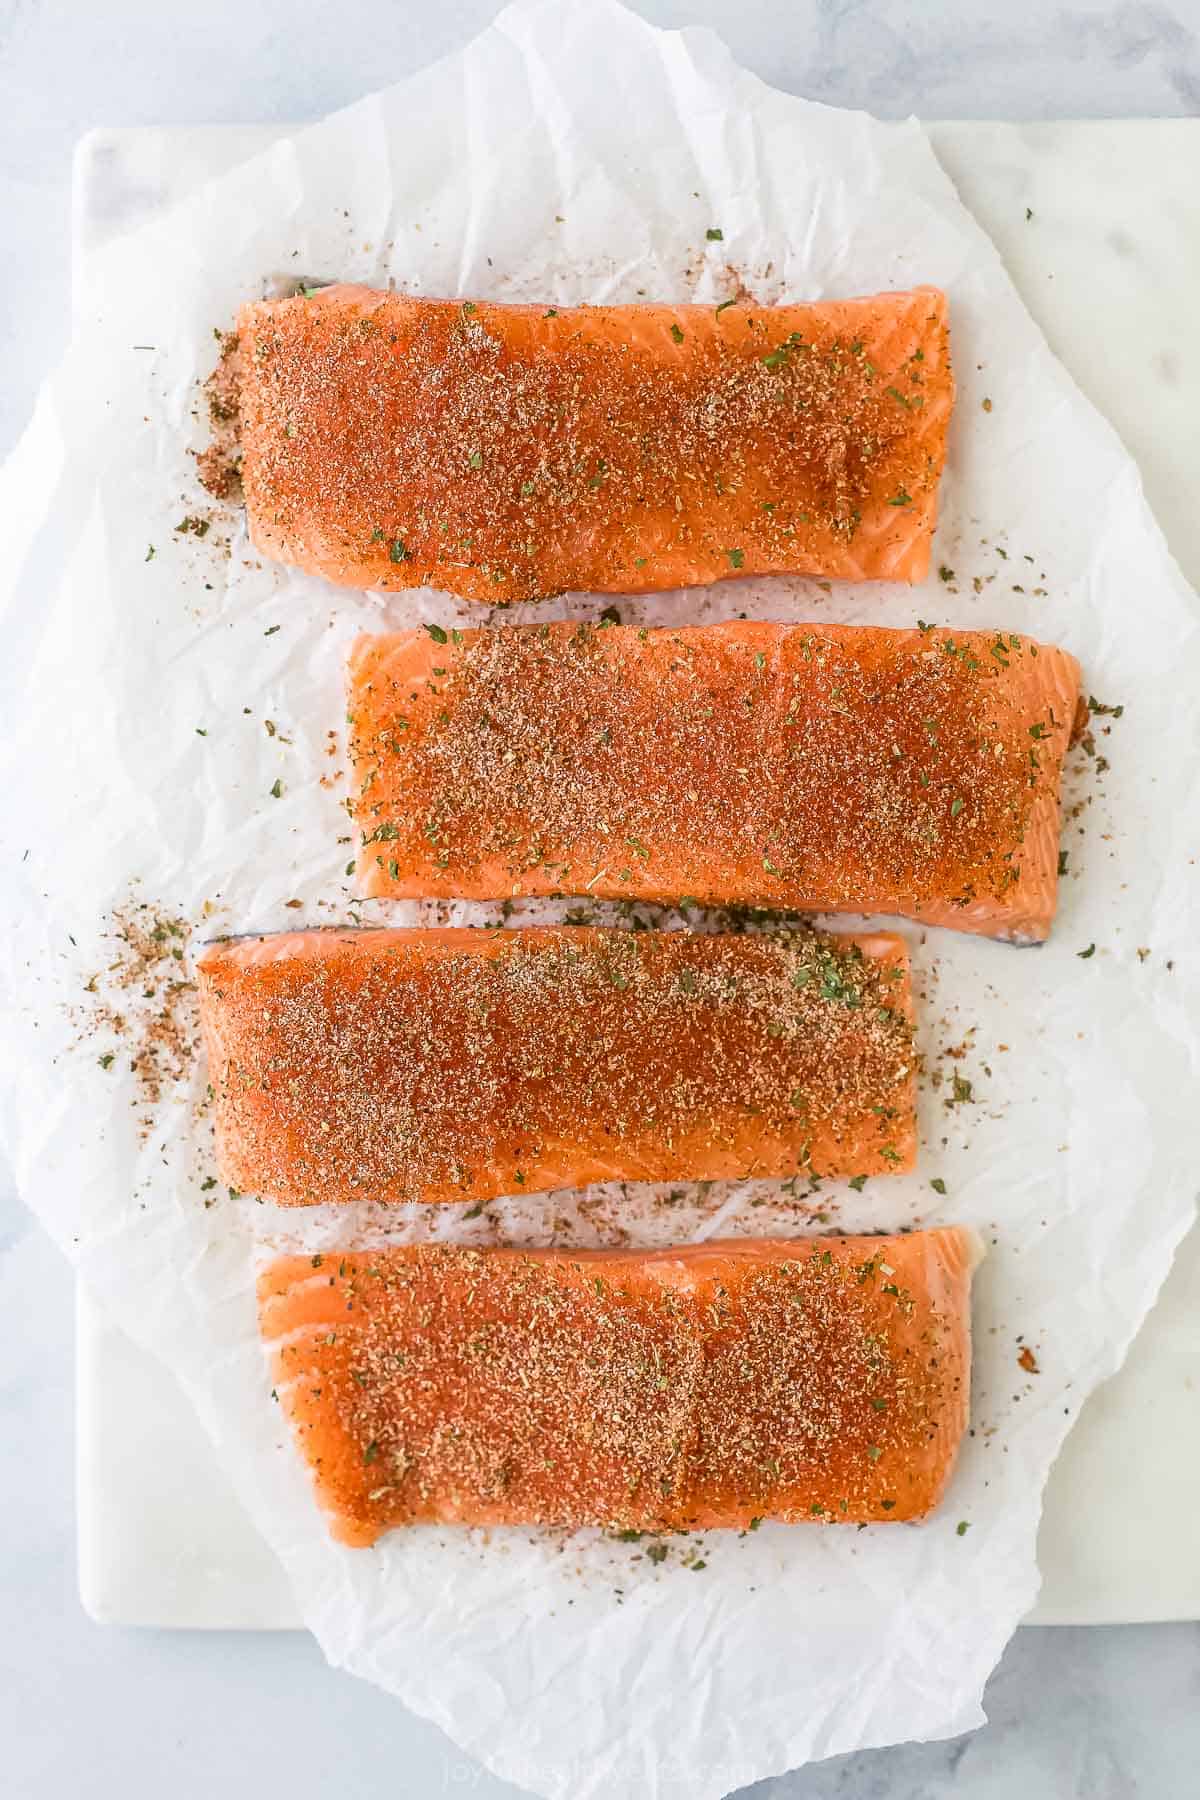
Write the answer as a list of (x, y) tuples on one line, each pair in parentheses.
[(573, 153)]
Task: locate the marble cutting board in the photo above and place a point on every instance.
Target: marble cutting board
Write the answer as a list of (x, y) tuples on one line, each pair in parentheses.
[(1109, 264)]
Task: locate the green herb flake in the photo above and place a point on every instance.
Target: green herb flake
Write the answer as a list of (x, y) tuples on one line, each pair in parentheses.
[(371, 1453), (902, 497), (276, 789), (956, 808), (964, 1525), (399, 551), (723, 304), (106, 1061), (938, 1185), (676, 334), (437, 634), (736, 558), (270, 631), (1063, 859), (858, 1183), (1084, 954), (715, 235)]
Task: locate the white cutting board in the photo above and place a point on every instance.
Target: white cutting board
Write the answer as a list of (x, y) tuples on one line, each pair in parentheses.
[(1109, 263)]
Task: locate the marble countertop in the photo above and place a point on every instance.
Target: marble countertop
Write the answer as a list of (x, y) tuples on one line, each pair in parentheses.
[(86, 1710)]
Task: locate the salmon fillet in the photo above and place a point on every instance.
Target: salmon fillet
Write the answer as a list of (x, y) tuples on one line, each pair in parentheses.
[(825, 769), (505, 453), (714, 1385), (460, 1064)]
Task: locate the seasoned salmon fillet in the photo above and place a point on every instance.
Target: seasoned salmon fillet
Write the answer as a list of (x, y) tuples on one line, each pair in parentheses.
[(461, 1064), (504, 453), (713, 1385), (818, 768)]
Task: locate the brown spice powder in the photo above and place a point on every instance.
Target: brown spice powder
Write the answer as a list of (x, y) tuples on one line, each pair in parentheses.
[(142, 1004), (464, 1064)]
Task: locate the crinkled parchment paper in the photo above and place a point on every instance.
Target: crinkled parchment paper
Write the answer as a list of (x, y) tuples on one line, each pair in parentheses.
[(573, 153)]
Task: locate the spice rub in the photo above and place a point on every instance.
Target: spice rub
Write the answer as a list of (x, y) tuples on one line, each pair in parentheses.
[(711, 1385), (506, 453), (461, 1064), (823, 768)]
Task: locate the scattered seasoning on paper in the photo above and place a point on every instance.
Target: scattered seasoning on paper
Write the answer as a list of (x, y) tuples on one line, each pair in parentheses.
[(219, 465), (142, 1001)]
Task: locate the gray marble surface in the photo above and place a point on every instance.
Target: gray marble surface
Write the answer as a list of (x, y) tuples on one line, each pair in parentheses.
[(83, 1711)]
